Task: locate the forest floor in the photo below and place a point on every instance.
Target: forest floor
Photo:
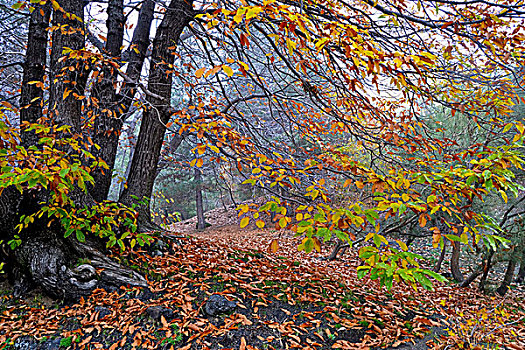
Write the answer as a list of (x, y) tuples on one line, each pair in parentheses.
[(279, 300)]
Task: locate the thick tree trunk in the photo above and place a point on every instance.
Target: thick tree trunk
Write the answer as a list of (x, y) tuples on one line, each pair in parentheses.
[(32, 95), (454, 262), (67, 85), (107, 124), (201, 223), (114, 108), (147, 151)]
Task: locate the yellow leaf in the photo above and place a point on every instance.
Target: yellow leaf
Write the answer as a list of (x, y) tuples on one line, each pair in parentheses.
[(253, 12), (422, 220), (227, 70), (317, 244), (402, 245), (199, 162), (260, 223), (520, 127), (245, 221), (359, 185)]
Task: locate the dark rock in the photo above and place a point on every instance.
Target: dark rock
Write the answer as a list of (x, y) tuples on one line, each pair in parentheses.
[(145, 295), (351, 335), (217, 304), (102, 311), (25, 343), (409, 315), (155, 312), (160, 245)]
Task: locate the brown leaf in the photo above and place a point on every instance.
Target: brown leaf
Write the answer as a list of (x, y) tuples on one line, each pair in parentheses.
[(243, 344)]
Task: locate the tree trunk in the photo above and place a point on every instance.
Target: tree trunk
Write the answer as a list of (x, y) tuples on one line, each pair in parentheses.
[(67, 85), (486, 269), (454, 262), (147, 151), (201, 223), (114, 108), (107, 124), (521, 272), (32, 95), (437, 268), (507, 279), (340, 245)]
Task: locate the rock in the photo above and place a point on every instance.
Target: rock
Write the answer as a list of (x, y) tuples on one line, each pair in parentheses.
[(158, 253), (217, 304), (155, 312), (25, 343), (160, 245), (102, 311)]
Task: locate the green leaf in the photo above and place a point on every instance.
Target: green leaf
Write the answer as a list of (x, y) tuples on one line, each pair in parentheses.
[(64, 172), (80, 236), (435, 275)]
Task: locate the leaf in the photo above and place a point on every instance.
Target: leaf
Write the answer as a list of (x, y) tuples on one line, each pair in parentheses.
[(66, 93), (422, 220), (243, 344), (260, 224), (245, 221), (274, 246), (253, 12), (200, 72), (227, 70)]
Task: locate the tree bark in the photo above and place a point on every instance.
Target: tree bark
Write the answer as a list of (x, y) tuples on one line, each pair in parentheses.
[(201, 223), (340, 245), (521, 272), (507, 279), (147, 151), (486, 269), (67, 85), (32, 95), (454, 262), (108, 125), (437, 268)]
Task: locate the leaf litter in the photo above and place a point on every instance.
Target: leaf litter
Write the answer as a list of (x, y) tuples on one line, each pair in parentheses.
[(285, 299)]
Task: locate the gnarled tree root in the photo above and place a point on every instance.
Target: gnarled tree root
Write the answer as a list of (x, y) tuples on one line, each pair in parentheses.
[(67, 269)]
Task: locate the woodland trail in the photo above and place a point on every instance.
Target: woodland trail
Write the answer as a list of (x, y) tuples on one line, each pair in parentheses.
[(283, 300)]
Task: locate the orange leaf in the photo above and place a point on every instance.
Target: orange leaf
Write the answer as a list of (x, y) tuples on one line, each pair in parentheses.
[(422, 220), (200, 72), (274, 246), (243, 344)]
